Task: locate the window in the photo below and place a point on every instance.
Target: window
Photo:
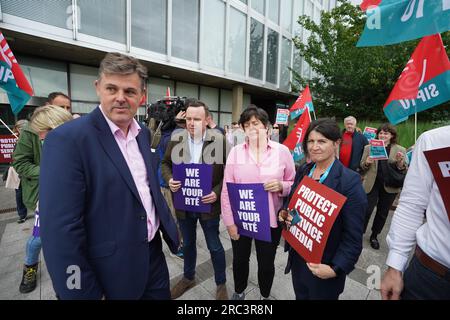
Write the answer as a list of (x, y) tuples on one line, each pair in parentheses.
[(286, 14), (237, 42), (274, 10), (256, 49), (149, 25), (187, 90), (213, 46), (210, 96), (105, 22), (259, 5), (226, 100), (82, 80), (44, 76), (157, 89), (185, 26), (57, 13), (272, 56), (285, 64)]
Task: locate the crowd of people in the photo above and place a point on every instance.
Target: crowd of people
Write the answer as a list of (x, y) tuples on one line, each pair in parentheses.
[(103, 198)]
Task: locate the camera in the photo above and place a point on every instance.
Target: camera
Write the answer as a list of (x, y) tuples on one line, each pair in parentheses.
[(163, 112)]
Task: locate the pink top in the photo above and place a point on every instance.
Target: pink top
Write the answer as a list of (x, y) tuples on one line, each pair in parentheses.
[(130, 151), (241, 167)]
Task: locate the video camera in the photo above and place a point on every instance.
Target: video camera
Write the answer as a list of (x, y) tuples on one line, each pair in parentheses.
[(163, 113), (161, 116)]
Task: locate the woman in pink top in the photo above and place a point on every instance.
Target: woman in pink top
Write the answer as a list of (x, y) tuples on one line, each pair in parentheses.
[(257, 160)]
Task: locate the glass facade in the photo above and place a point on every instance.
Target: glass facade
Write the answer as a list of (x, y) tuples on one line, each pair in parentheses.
[(148, 16), (237, 42), (256, 49), (109, 24), (272, 56), (213, 34), (221, 38), (185, 29)]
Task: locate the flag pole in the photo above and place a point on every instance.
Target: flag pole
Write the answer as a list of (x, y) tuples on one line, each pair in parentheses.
[(8, 129), (415, 124), (314, 113)]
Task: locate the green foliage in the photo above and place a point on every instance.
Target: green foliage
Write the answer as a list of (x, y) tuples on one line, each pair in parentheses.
[(353, 80)]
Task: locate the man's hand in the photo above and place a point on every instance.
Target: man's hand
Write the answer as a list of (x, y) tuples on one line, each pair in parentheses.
[(210, 198), (391, 285), (233, 232), (322, 271), (273, 186), (174, 185), (285, 217)]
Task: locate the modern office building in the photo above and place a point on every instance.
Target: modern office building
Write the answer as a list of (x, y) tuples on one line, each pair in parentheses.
[(228, 53)]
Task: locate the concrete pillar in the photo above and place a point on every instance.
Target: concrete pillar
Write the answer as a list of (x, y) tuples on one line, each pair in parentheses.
[(238, 101)]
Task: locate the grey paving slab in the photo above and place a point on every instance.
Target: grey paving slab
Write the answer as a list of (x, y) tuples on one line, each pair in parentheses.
[(354, 291)]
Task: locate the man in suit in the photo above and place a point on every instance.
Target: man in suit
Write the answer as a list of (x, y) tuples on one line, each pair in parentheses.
[(101, 207), (199, 145)]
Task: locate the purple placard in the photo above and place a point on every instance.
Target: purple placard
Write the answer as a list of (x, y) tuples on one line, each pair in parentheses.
[(36, 224), (196, 182), (250, 206)]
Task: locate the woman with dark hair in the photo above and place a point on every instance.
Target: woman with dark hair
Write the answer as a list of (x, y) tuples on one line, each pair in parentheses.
[(325, 281), (374, 173), (257, 160)]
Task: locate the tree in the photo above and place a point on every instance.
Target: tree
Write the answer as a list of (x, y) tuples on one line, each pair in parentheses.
[(361, 78)]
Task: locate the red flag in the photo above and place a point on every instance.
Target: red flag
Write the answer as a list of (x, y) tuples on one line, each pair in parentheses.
[(428, 61), (368, 3), (303, 99), (13, 81), (298, 134), (168, 96)]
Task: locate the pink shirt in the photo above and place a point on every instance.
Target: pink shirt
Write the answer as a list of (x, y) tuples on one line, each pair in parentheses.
[(241, 167), (130, 151)]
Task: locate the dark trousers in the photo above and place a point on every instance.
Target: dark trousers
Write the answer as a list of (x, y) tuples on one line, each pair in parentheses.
[(309, 287), (383, 201), (158, 284), (210, 228), (420, 283), (21, 209), (265, 254)]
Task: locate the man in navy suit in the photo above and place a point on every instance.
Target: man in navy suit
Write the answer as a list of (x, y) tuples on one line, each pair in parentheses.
[(101, 207)]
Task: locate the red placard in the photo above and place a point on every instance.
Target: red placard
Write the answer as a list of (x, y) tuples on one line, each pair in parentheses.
[(439, 162), (318, 207), (7, 144)]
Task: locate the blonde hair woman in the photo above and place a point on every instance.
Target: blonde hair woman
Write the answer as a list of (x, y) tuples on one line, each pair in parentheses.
[(27, 158)]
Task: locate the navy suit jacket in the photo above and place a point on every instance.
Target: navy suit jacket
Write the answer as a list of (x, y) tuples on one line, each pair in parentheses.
[(344, 243), (359, 141), (91, 215)]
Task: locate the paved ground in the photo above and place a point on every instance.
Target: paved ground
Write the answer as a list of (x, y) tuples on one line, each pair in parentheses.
[(13, 237)]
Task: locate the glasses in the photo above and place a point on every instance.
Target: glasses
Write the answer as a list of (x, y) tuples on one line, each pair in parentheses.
[(276, 128)]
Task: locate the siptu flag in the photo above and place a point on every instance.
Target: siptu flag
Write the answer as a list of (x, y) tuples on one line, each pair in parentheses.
[(12, 79), (423, 84), (298, 133), (167, 97), (302, 102), (394, 21), (298, 153)]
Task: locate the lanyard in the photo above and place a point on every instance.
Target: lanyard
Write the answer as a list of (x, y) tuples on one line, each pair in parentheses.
[(324, 175)]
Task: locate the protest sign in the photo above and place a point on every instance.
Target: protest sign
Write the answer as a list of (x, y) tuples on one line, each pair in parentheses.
[(7, 143), (282, 117), (439, 162), (377, 150), (250, 205), (196, 182), (318, 207), (370, 133)]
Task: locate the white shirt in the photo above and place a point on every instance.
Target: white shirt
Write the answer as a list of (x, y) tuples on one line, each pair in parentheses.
[(195, 148), (420, 193)]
